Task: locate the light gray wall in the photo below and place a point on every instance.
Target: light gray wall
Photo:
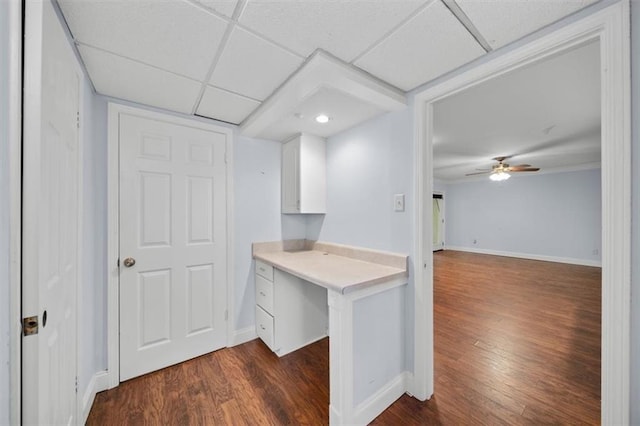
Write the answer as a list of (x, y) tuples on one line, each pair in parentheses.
[(92, 295), (366, 166), (256, 215), (4, 214), (555, 214), (635, 216)]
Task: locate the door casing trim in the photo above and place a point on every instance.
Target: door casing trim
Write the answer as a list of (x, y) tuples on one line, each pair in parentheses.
[(14, 110), (611, 26), (113, 230)]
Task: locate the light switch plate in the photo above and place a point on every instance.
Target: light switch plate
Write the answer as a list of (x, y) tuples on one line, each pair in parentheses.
[(398, 202)]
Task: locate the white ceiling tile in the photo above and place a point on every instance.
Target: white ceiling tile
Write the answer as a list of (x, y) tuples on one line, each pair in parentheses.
[(344, 111), (122, 78), (503, 21), (431, 44), (225, 106), (343, 28), (173, 35), (252, 66), (225, 7)]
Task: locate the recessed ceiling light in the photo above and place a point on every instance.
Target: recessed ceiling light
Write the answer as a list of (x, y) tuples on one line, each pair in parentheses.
[(298, 115), (322, 118)]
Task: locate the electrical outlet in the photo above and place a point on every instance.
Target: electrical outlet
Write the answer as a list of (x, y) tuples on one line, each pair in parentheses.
[(475, 241)]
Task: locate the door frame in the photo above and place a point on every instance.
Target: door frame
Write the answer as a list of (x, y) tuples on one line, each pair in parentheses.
[(14, 122), (610, 24), (113, 230)]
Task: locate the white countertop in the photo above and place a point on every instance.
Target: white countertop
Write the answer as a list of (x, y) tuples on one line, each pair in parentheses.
[(336, 272)]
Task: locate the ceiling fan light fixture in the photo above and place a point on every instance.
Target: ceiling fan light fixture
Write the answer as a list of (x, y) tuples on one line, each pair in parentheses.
[(323, 118), (499, 176)]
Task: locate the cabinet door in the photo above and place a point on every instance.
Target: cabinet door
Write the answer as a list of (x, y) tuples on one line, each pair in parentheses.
[(291, 177)]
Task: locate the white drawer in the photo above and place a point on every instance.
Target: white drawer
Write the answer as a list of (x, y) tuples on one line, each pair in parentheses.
[(265, 270), (264, 294), (264, 327)]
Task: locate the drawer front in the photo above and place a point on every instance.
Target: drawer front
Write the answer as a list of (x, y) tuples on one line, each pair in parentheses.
[(264, 294), (264, 327), (264, 270)]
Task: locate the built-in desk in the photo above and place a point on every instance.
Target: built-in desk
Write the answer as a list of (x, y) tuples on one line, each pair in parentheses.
[(300, 286)]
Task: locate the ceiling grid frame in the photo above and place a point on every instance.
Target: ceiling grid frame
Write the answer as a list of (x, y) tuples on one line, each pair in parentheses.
[(392, 31), (221, 11), (223, 44), (466, 22)]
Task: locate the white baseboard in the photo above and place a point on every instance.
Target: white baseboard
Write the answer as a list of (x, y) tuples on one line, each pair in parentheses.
[(572, 261), (243, 336), (373, 406), (98, 383)]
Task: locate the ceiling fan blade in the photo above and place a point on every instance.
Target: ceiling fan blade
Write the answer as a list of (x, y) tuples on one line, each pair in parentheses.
[(521, 165), (478, 173), (484, 170), (524, 169)]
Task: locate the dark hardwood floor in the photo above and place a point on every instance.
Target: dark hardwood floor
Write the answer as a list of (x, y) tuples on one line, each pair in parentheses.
[(516, 342)]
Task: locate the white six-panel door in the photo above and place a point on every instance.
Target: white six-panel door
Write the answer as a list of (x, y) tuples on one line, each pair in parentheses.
[(51, 204), (173, 225)]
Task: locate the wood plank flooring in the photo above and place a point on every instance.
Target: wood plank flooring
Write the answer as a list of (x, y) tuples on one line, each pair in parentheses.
[(516, 342)]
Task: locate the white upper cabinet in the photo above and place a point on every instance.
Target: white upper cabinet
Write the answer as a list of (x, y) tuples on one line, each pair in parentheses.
[(304, 175)]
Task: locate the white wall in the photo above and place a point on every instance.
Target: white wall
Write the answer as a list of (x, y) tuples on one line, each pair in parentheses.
[(4, 214), (92, 294), (635, 217), (256, 215), (379, 341), (366, 166), (555, 215)]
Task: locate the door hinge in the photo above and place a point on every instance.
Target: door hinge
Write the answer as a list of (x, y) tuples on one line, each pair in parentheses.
[(30, 325), (78, 119), (118, 263), (76, 384)]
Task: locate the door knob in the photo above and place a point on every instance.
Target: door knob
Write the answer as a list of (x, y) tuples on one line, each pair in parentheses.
[(129, 262)]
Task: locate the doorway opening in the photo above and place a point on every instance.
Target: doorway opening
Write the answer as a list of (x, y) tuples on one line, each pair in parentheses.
[(608, 25)]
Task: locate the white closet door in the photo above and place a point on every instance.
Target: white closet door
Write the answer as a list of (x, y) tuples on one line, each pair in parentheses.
[(50, 219), (173, 224)]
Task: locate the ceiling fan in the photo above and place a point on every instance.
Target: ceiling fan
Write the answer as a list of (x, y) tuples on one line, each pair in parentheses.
[(500, 171)]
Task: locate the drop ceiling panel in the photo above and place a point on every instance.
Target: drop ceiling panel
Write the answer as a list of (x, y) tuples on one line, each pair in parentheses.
[(502, 21), (222, 105), (122, 78), (224, 7), (252, 66), (344, 28), (429, 45), (173, 35), (343, 109)]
